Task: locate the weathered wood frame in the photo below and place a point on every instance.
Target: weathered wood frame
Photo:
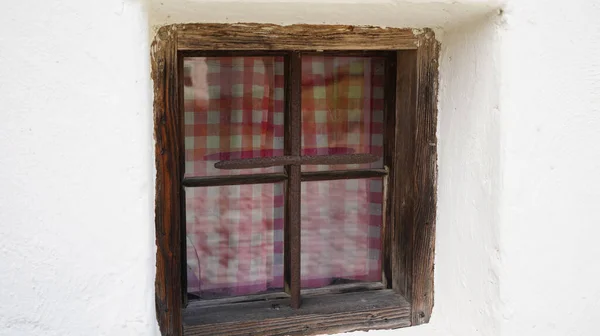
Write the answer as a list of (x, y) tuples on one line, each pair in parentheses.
[(408, 257)]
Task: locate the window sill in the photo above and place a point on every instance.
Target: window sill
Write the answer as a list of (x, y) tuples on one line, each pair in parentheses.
[(319, 314)]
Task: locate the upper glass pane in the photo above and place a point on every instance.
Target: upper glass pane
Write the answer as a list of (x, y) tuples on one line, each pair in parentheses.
[(342, 108), (233, 110)]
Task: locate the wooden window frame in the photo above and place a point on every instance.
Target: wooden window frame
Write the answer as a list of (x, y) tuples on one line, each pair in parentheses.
[(408, 242)]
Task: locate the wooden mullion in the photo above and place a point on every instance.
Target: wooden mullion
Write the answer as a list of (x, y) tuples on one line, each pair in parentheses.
[(389, 161), (342, 174), (181, 139), (342, 289), (183, 249), (274, 161), (293, 119), (214, 181)]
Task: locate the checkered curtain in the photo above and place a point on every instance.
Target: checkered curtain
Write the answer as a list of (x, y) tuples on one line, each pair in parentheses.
[(234, 109), (342, 113)]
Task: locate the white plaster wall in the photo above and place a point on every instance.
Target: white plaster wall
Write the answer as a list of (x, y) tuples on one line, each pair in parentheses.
[(385, 13), (467, 270), (518, 153), (467, 256), (467, 246), (76, 189), (551, 153)]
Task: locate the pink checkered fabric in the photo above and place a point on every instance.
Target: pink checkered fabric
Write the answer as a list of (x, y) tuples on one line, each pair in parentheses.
[(234, 109), (342, 113), (342, 108), (341, 225), (235, 239)]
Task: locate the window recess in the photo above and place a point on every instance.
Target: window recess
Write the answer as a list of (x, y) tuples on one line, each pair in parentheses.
[(295, 178)]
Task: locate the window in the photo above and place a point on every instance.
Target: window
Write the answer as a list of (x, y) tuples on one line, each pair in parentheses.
[(295, 178)]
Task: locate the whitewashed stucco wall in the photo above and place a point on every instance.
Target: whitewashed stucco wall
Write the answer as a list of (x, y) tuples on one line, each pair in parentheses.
[(518, 151), (76, 169), (551, 153)]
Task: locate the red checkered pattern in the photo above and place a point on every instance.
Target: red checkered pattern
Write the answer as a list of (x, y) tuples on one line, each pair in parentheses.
[(341, 224), (234, 109), (342, 112), (234, 235), (342, 108)]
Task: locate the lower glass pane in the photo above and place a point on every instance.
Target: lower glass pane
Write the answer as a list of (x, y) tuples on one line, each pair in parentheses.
[(234, 239), (341, 231)]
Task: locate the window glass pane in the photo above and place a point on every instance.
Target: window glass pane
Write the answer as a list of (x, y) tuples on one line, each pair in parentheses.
[(234, 239), (341, 231), (233, 110), (342, 107)]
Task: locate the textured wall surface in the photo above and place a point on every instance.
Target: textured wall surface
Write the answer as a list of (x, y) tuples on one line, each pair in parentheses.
[(551, 154), (385, 13), (517, 140), (76, 183)]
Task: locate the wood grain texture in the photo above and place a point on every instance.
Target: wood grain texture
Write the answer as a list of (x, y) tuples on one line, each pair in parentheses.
[(292, 147), (211, 181), (307, 292), (342, 288), (273, 161), (292, 237), (273, 53), (409, 232), (333, 313), (404, 191), (167, 127), (389, 160), (425, 179), (255, 36), (182, 198), (233, 53), (342, 174)]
